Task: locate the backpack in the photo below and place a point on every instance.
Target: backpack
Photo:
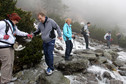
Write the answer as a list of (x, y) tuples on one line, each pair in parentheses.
[(82, 30)]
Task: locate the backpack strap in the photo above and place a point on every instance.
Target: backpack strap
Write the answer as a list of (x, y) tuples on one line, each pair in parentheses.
[(7, 26)]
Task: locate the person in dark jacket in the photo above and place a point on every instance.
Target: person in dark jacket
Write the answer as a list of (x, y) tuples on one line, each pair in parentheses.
[(86, 34), (46, 27), (7, 39)]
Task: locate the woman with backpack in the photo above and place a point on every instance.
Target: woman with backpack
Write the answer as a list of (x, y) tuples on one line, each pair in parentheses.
[(8, 30)]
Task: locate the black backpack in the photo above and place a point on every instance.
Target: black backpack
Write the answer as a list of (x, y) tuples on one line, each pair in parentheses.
[(83, 32)]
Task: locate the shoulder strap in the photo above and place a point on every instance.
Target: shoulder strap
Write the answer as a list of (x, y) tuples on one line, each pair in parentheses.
[(7, 26)]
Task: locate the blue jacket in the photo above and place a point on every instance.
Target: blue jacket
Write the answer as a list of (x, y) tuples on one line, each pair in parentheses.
[(67, 32)]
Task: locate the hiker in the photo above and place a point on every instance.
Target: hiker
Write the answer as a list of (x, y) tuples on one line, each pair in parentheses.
[(85, 33), (46, 27), (118, 35), (107, 37), (8, 30), (67, 36)]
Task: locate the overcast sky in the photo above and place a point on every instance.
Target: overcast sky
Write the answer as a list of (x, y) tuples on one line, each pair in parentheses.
[(99, 12)]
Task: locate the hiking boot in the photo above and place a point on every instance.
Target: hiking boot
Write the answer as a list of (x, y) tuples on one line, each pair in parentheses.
[(68, 59), (49, 71), (87, 48), (71, 55), (13, 79)]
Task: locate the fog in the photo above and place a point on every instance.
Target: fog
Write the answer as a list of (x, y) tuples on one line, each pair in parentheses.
[(103, 13)]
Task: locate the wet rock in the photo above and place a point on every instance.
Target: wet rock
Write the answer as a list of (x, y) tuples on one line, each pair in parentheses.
[(91, 78), (68, 67), (123, 68), (99, 54), (110, 66), (114, 55), (102, 60), (107, 75), (84, 52), (88, 56), (56, 78), (123, 73), (107, 55), (99, 51), (119, 63), (113, 81)]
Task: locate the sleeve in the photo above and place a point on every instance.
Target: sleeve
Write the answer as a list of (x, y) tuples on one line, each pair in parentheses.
[(65, 31), (105, 36), (2, 25), (20, 33), (37, 31), (56, 26)]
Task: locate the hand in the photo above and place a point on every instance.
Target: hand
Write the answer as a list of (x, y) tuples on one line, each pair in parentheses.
[(60, 38), (73, 36), (29, 35), (6, 37)]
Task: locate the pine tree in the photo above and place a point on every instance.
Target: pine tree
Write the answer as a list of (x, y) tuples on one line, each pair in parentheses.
[(31, 55)]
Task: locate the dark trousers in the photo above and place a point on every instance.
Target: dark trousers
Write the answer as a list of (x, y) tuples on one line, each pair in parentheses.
[(69, 46), (86, 40), (108, 43), (48, 51)]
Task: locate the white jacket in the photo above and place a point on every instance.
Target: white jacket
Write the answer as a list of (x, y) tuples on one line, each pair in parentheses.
[(12, 38), (107, 34), (86, 30)]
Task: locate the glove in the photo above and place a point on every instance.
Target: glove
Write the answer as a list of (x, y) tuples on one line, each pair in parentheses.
[(29, 36), (6, 37)]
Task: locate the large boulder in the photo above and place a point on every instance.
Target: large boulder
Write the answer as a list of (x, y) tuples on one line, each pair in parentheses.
[(113, 54), (69, 67), (56, 78), (83, 51), (119, 63), (88, 56), (107, 55), (102, 60)]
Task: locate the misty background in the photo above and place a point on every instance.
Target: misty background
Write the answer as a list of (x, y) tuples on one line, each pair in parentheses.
[(103, 13)]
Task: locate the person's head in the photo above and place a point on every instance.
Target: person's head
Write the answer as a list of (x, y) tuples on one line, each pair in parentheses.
[(109, 32), (41, 17), (68, 21), (89, 24), (14, 17)]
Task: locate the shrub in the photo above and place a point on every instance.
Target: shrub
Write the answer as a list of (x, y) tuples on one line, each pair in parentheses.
[(30, 56)]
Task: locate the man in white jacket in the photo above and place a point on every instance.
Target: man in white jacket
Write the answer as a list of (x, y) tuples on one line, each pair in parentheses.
[(7, 39), (107, 37)]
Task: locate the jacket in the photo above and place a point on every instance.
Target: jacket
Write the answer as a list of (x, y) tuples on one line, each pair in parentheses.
[(107, 36), (12, 30), (67, 32), (47, 30), (86, 30)]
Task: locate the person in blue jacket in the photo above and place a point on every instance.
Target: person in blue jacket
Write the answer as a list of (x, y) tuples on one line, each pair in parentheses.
[(67, 36)]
